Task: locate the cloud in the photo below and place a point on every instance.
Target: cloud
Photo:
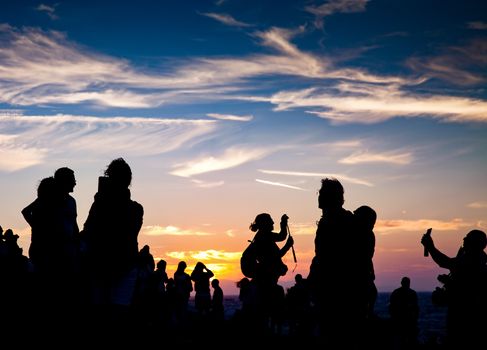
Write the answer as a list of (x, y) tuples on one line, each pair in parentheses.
[(366, 104), (461, 65), (172, 231), (231, 158), (340, 177), (14, 157), (42, 68), (241, 118), (420, 226), (49, 10), (205, 255), (279, 184), (335, 6), (226, 19), (387, 157), (28, 140), (477, 25), (206, 184), (39, 67), (477, 205)]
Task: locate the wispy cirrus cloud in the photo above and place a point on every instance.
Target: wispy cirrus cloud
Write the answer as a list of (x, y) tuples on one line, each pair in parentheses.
[(29, 140), (385, 157), (420, 226), (279, 184), (231, 158), (13, 157), (335, 6), (39, 67), (318, 175), (372, 104), (207, 184), (462, 65), (49, 10), (226, 19), (65, 73), (477, 205), (232, 117)]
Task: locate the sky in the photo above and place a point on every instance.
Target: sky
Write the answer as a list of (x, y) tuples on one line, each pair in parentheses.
[(226, 109)]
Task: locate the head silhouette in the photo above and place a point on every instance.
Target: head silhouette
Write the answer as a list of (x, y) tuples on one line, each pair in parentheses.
[(119, 173), (366, 216), (215, 283), (161, 264), (46, 188), (181, 266), (331, 194), (263, 222), (65, 179), (475, 241), (199, 266), (405, 282)]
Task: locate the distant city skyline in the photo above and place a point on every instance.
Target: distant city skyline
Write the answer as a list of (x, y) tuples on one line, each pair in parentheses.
[(227, 109)]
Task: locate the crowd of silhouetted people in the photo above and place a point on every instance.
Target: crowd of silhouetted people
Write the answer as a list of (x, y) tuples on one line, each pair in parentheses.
[(95, 282)]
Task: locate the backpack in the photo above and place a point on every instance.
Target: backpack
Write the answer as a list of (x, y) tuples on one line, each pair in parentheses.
[(248, 261)]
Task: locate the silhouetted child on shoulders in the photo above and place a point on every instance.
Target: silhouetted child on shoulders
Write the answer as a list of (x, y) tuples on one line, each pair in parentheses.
[(365, 218)]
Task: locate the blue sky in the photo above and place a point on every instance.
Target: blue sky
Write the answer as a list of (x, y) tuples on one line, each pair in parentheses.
[(226, 109)]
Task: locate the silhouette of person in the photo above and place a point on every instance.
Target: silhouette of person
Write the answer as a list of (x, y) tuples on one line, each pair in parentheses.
[(111, 249), (145, 269), (299, 307), (65, 183), (217, 308), (14, 277), (247, 298), (183, 288), (466, 290), (334, 269), (201, 276), (270, 266), (157, 297), (404, 311), (54, 245), (40, 215), (365, 218)]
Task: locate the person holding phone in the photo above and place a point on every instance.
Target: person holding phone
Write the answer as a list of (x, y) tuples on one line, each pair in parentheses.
[(466, 289), (111, 249)]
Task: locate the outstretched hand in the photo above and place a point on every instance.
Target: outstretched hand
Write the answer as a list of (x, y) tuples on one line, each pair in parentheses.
[(284, 218), (427, 241)]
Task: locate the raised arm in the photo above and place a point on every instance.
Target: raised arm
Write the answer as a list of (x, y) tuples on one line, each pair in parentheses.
[(281, 236), (438, 257)]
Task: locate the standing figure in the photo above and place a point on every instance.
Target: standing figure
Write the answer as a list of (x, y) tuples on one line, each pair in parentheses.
[(334, 270), (466, 290), (217, 308), (201, 276), (404, 311), (54, 248), (270, 265), (182, 288), (111, 248)]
